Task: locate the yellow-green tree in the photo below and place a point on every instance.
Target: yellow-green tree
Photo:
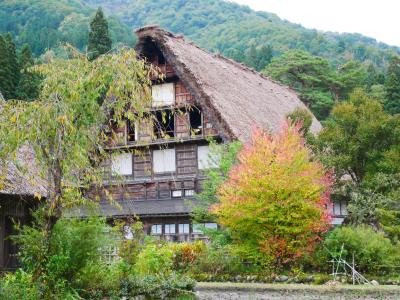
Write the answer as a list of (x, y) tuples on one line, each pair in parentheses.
[(66, 126), (276, 199)]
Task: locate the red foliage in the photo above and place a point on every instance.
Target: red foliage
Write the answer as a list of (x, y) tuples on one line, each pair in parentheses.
[(276, 200)]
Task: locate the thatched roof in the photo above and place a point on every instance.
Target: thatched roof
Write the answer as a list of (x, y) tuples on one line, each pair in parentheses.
[(22, 176), (239, 97)]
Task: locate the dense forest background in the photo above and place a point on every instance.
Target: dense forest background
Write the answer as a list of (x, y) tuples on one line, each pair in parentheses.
[(219, 26), (323, 67)]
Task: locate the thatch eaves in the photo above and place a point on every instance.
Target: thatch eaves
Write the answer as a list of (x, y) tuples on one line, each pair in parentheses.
[(22, 177), (238, 96)]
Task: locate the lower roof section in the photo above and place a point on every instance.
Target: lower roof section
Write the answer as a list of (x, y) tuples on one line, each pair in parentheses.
[(147, 208)]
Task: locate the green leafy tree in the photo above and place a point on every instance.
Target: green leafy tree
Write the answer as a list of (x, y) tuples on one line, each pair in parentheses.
[(392, 85), (275, 199), (352, 74), (360, 142), (312, 76), (66, 125), (356, 136), (99, 38)]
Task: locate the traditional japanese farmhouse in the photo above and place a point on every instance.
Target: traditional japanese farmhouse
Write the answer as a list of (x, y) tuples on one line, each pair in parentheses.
[(163, 163), (19, 193)]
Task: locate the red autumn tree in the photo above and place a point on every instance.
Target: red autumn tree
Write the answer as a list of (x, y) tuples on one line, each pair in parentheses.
[(276, 199)]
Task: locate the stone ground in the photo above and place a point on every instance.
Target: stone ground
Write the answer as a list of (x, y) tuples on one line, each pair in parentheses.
[(214, 291)]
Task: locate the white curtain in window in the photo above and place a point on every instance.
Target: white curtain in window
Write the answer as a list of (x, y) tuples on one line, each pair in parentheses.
[(184, 228), (156, 229), (121, 164), (169, 228), (163, 94), (164, 160), (206, 159)]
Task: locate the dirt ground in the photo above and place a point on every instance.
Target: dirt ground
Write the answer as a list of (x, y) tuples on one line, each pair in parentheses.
[(214, 291)]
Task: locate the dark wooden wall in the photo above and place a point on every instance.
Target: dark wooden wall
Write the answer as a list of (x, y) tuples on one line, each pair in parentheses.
[(12, 209)]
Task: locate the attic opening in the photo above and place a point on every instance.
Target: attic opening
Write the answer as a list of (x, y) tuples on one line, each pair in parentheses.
[(164, 124), (196, 121), (153, 54)]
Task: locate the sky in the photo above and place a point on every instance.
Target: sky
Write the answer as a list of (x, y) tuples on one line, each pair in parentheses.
[(379, 19)]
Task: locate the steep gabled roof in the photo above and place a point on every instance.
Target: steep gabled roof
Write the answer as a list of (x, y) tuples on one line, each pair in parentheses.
[(239, 96)]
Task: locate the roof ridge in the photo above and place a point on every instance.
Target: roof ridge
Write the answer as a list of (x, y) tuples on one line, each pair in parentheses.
[(156, 29), (248, 97)]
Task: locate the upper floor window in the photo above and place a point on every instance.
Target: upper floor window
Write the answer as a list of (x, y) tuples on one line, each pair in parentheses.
[(339, 208), (164, 124), (164, 161), (163, 94), (121, 164), (206, 159)]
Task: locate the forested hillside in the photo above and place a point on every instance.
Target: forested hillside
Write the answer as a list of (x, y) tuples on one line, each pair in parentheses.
[(234, 30), (44, 24)]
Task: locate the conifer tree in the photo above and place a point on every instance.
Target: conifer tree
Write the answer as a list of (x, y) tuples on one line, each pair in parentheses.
[(252, 58), (13, 65), (264, 57), (28, 87), (99, 37), (392, 86), (5, 78), (25, 57)]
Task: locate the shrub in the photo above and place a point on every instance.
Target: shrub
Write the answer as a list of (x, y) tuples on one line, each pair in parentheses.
[(160, 286), (155, 258), (373, 252), (74, 268), (19, 285), (187, 254), (71, 265)]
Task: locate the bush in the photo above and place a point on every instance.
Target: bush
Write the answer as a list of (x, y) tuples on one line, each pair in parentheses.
[(72, 266), (187, 254), (18, 286), (158, 286), (72, 256), (154, 259), (373, 252)]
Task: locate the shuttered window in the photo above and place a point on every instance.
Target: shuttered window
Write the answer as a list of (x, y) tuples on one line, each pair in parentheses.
[(164, 161), (121, 164), (163, 94)]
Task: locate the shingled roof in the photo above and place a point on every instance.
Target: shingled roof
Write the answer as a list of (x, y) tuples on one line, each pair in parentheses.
[(239, 96), (164, 207)]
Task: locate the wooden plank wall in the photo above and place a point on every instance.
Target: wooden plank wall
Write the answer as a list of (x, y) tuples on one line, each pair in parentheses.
[(11, 209), (186, 159)]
